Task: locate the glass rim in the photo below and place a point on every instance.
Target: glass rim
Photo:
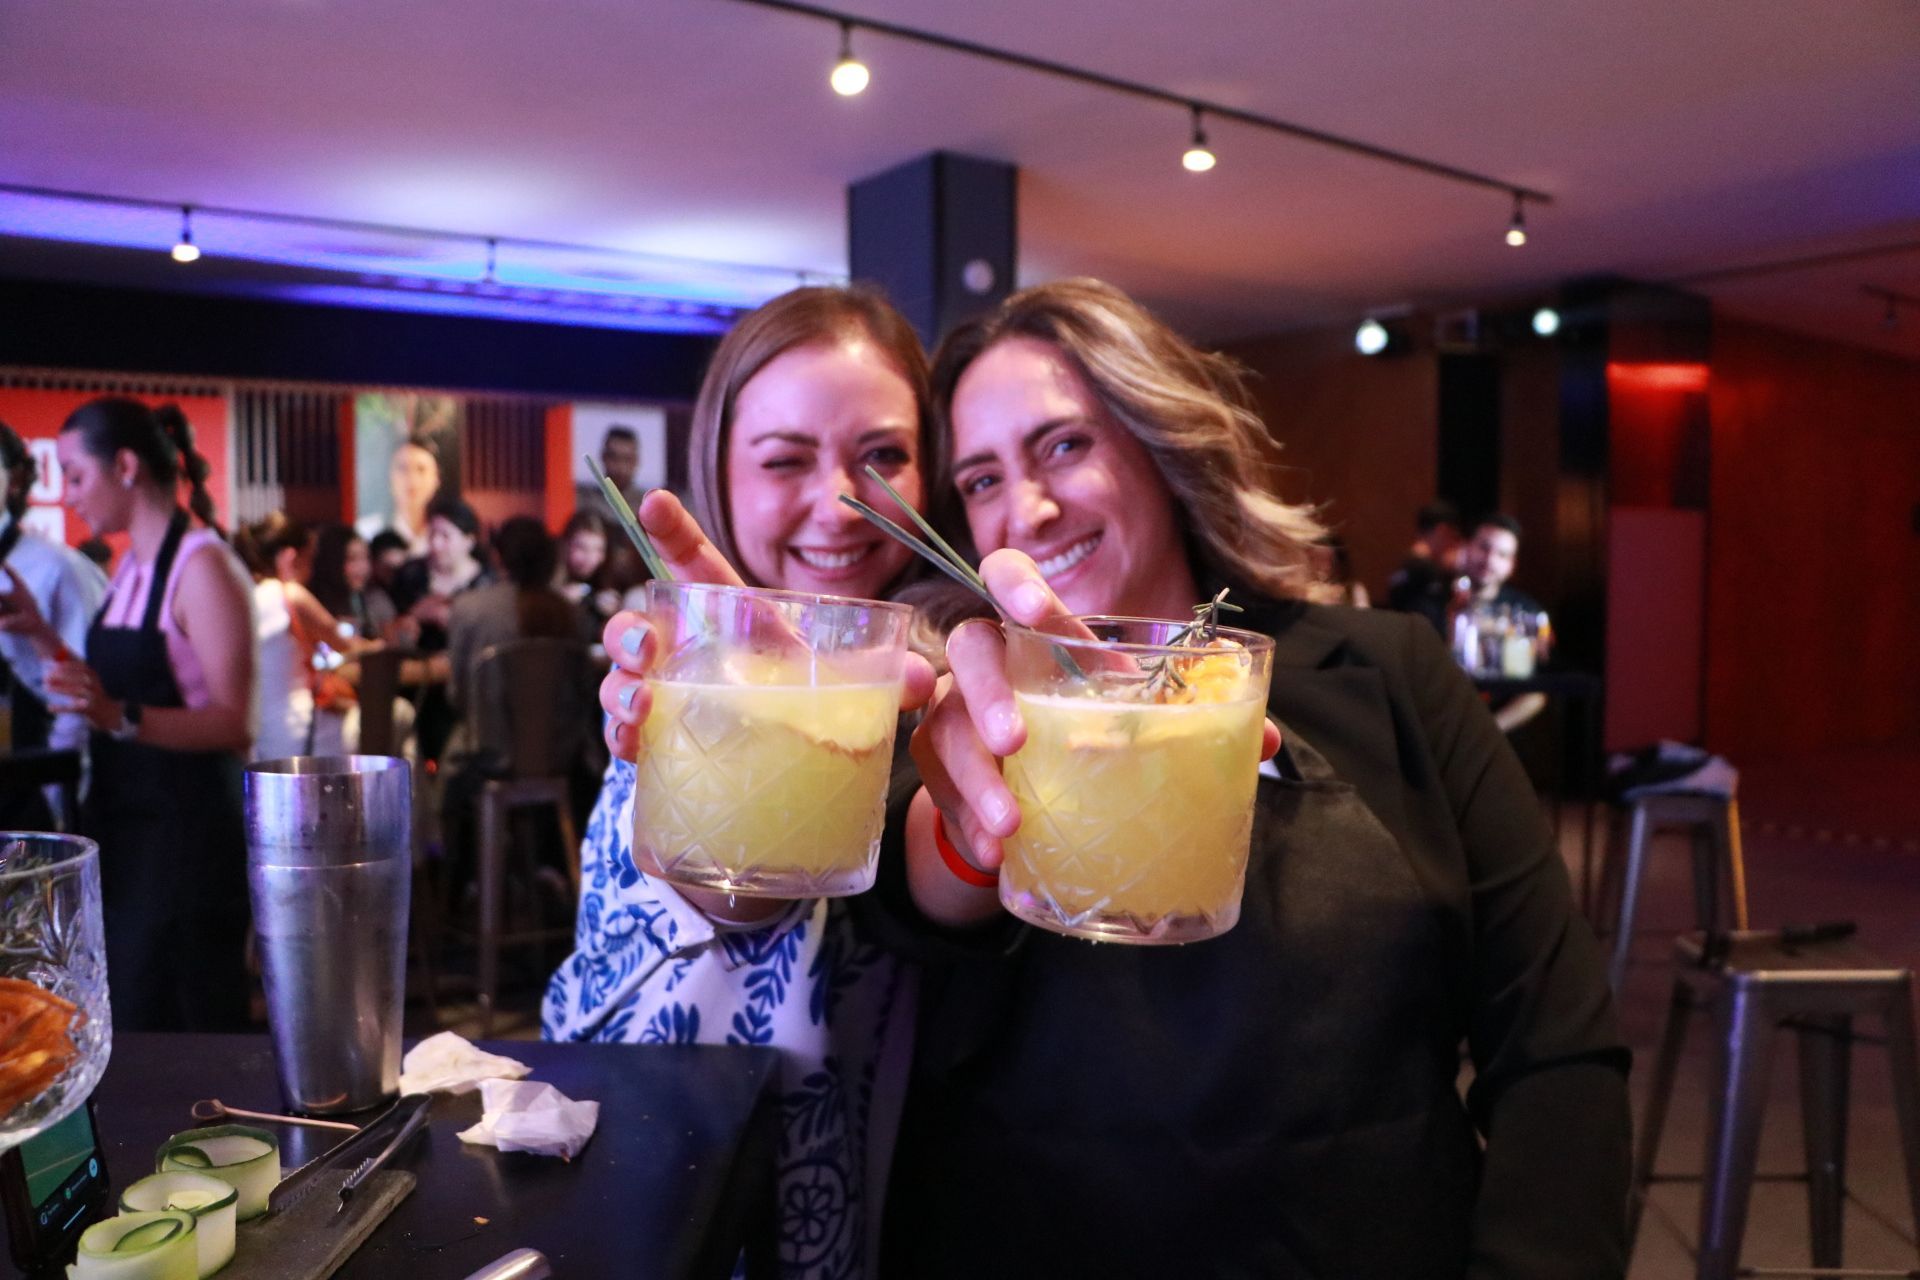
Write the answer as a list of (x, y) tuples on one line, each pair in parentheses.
[(1255, 642), (81, 850), (352, 765), (778, 593)]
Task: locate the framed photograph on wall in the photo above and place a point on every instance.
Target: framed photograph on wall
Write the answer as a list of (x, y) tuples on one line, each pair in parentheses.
[(630, 441), (406, 449)]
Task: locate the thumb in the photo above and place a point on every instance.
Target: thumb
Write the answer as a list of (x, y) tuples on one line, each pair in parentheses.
[(1015, 581)]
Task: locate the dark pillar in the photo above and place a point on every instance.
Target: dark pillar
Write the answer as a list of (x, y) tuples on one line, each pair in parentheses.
[(937, 233)]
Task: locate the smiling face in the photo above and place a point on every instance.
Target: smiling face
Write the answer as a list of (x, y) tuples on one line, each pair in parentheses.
[(97, 490), (804, 430), (1042, 467)]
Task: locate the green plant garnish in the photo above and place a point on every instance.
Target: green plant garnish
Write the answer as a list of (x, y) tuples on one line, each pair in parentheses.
[(939, 553), (1198, 634), (630, 522)]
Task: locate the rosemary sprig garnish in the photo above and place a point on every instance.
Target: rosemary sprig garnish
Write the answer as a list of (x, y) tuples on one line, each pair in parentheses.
[(938, 552), (1198, 634), (631, 523)]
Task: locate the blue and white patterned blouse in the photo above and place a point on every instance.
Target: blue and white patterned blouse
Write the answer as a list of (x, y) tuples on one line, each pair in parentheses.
[(650, 968)]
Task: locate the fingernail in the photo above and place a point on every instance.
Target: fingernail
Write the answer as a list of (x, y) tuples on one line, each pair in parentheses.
[(996, 809), (1004, 721), (631, 640), (627, 695), (1029, 598)]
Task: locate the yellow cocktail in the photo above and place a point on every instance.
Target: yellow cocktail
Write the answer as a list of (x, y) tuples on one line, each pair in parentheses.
[(763, 764), (1136, 783), (742, 787)]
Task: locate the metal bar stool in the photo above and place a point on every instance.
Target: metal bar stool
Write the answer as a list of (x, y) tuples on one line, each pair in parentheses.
[(1755, 983), (531, 699), (1713, 822)]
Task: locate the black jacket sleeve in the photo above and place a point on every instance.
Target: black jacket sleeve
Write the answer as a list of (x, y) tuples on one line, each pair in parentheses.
[(1549, 1094)]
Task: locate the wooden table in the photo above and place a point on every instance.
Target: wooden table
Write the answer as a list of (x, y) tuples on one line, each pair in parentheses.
[(677, 1181)]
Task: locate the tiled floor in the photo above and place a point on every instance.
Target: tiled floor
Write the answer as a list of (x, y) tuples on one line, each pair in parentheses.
[(1813, 874)]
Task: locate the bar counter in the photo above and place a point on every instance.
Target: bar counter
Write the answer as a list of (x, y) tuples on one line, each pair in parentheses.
[(677, 1181)]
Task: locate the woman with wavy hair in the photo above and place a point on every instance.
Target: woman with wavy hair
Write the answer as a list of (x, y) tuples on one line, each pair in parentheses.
[(167, 685), (1279, 1101)]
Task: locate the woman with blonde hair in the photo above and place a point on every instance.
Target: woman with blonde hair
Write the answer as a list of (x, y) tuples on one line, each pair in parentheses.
[(1281, 1100), (801, 398)]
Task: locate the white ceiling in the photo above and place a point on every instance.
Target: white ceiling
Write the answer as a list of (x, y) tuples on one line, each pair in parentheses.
[(1676, 135)]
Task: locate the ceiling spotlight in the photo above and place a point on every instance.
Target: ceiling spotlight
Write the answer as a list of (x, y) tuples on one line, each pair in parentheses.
[(1546, 322), (1517, 229), (1198, 157), (186, 250), (1371, 338), (849, 74)]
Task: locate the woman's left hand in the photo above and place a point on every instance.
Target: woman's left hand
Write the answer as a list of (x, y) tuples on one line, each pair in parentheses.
[(79, 686)]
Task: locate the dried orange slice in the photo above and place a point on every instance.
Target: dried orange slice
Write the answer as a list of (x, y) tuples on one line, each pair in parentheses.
[(36, 1040), (1216, 674)]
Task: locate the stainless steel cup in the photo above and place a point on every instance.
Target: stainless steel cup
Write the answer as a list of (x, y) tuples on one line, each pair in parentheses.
[(329, 864)]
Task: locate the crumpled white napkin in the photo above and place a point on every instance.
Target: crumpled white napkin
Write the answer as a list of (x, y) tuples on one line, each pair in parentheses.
[(447, 1063), (525, 1115)]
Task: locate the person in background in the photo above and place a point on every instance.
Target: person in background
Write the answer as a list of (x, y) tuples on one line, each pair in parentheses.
[(1333, 581), (620, 459), (167, 686), (1429, 565), (342, 581), (1283, 1100), (523, 606), (802, 395), (66, 589), (413, 480), (583, 574), (1486, 567), (424, 592), (388, 552), (292, 626)]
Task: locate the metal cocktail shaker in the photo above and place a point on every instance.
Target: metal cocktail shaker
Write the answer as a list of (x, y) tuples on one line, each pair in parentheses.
[(329, 864)]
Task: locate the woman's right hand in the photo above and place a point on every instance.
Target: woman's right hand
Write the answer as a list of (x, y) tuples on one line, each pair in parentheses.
[(971, 724), (629, 636)]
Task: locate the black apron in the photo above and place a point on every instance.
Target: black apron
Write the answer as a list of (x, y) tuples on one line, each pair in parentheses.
[(173, 851), (1275, 1102)]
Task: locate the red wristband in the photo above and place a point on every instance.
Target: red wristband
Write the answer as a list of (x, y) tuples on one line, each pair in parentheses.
[(963, 870)]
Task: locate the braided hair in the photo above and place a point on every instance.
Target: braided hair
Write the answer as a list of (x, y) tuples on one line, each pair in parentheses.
[(161, 438)]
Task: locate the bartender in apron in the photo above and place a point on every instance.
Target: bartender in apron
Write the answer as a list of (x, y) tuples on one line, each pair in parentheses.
[(166, 685)]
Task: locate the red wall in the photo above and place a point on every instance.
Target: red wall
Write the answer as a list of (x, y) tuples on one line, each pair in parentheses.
[(37, 414), (1813, 596)]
